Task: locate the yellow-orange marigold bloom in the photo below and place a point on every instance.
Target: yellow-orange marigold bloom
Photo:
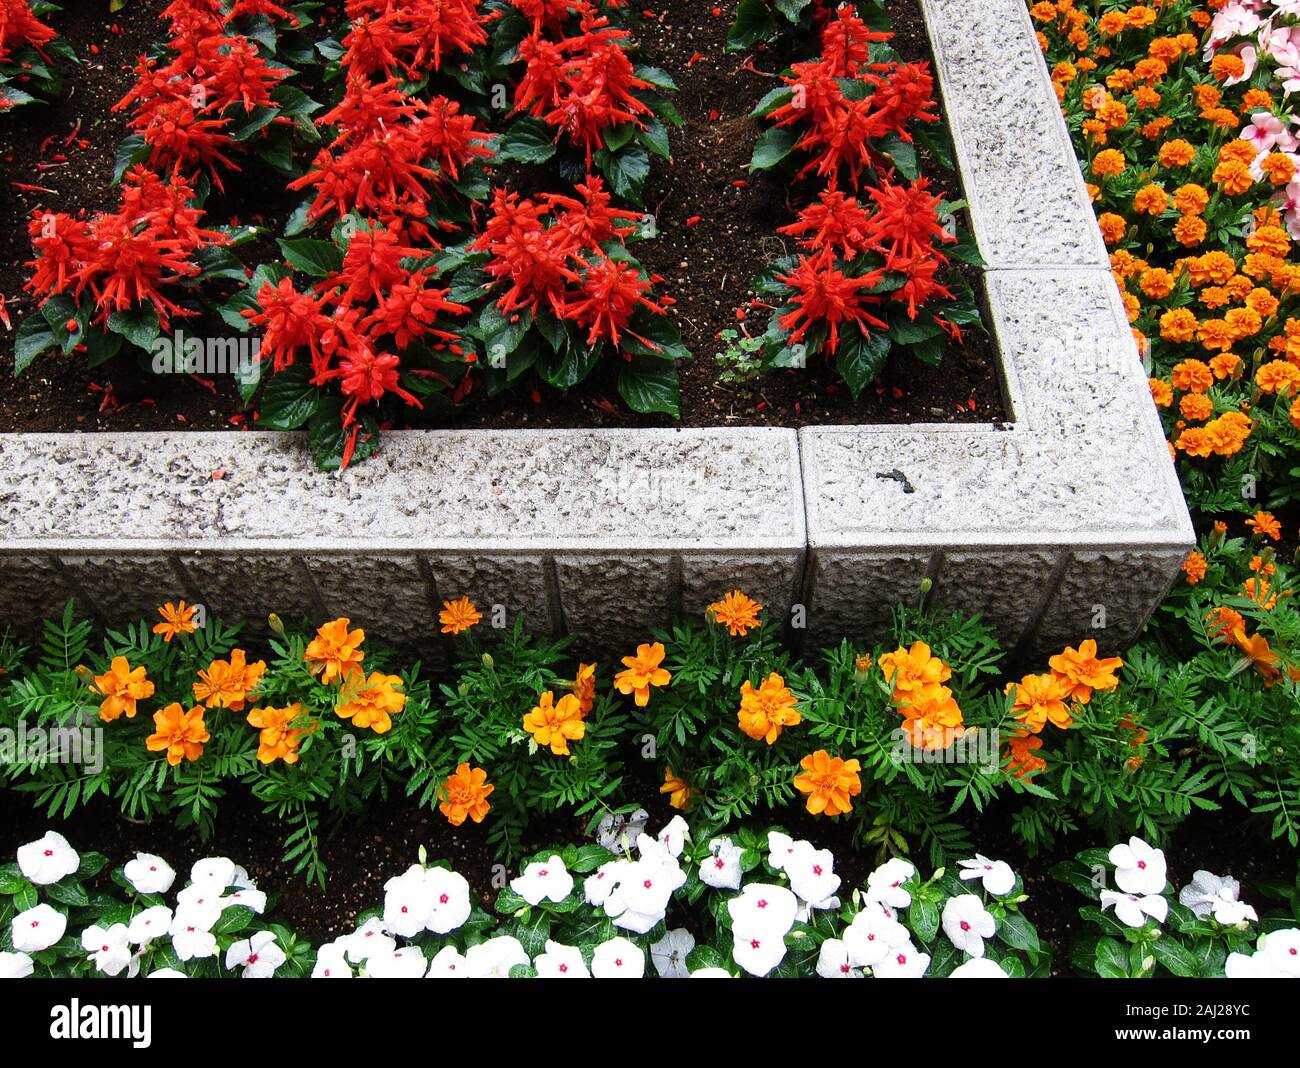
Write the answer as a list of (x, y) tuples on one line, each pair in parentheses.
[(1156, 283), (1040, 699), (1196, 407), (121, 686), (1108, 163), (1266, 525), (1262, 657), (765, 711), (1294, 414), (1192, 376), (1190, 230), (1216, 335), (465, 795), (830, 783), (1113, 227), (932, 719), (1278, 376), (1120, 80), (277, 739), (458, 616), (1262, 303), (1224, 624), (677, 789), (227, 683), (1176, 153), (1194, 567), (1214, 266), (1140, 16), (555, 724), (1081, 672), (1021, 760), (1155, 129), (1228, 433), (1178, 325), (1225, 364), (1191, 199), (584, 687), (1195, 441), (1150, 200), (641, 672), (179, 733), (910, 670), (736, 612), (1256, 100), (1146, 98), (176, 619), (370, 702), (1226, 65), (1161, 392), (1269, 240), (335, 651), (1112, 23), (1279, 168)]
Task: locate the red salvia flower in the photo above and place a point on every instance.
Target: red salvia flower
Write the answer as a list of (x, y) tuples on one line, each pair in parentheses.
[(19, 27), (591, 220), (408, 311), (550, 12), (62, 245), (290, 321), (531, 258), (825, 294), (372, 263), (921, 284), (269, 8), (236, 73), (906, 223), (835, 221), (611, 292), (846, 42)]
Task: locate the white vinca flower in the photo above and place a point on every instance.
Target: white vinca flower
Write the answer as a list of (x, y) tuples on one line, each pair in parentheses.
[(1139, 869), (780, 847), (110, 949), (711, 973), (150, 924), (996, 875), (903, 961), (979, 968), (47, 860), (405, 963), (619, 958), (763, 907), (1132, 910), (669, 954), (494, 958), (812, 874), (218, 872), (201, 895), (248, 897), (408, 900), (367, 940), (448, 963), (167, 973), (597, 886), (449, 900), (721, 868), (149, 874), (673, 836), (835, 962), (192, 938), (37, 929), (561, 962), (332, 961), (872, 934), (15, 966), (258, 956), (967, 923), (1276, 956), (1208, 894), (757, 950), (615, 830), (543, 880), (885, 884)]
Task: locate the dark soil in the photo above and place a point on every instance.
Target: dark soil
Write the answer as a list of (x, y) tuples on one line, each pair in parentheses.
[(67, 150), (367, 850)]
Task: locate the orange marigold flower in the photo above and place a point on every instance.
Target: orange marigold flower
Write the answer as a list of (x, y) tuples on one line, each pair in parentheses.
[(1150, 200), (763, 712), (458, 615), (1279, 168), (335, 651), (181, 734), (1080, 671), (121, 686), (1190, 230), (465, 794), (1108, 163), (1266, 525), (1113, 227), (641, 672), (1194, 567), (1216, 334), (1156, 127), (1177, 153), (1224, 624), (1191, 199), (1262, 303), (1226, 65), (1192, 376), (1214, 266), (555, 725), (1196, 407), (277, 738), (1156, 283), (1040, 699), (1228, 433), (1269, 240), (1256, 100), (1161, 392), (1260, 591), (1225, 364), (830, 783), (1178, 325), (1278, 376), (584, 687), (1294, 414), (911, 670), (1112, 23), (177, 619), (370, 702), (932, 719), (736, 612), (1021, 759), (227, 683), (677, 789), (1140, 16), (1195, 441), (1262, 657)]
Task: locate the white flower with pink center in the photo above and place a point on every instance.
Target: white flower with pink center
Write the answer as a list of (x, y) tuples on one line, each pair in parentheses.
[(149, 874), (150, 924), (367, 940), (871, 936), (543, 880), (812, 874), (967, 923), (886, 883), (448, 963), (673, 836), (995, 875), (1132, 910), (449, 904), (332, 962), (47, 860), (721, 868), (903, 961), (1139, 868), (494, 958), (561, 962), (110, 949), (408, 899), (597, 887), (619, 958), (38, 928), (763, 908), (405, 963), (834, 961), (780, 848)]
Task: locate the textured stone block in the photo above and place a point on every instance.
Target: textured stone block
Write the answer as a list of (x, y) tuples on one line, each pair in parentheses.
[(504, 587), (124, 589), (611, 602), (32, 587), (853, 594), (387, 595), (771, 580)]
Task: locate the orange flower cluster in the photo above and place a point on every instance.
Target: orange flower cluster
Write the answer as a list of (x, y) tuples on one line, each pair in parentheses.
[(932, 718)]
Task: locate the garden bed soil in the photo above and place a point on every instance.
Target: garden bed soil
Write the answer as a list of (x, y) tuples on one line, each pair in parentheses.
[(67, 152), (383, 840)]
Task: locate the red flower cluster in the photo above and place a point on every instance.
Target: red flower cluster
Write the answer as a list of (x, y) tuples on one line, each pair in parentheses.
[(185, 108), (19, 27), (410, 36), (548, 252), (125, 258), (581, 85), (843, 130)]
